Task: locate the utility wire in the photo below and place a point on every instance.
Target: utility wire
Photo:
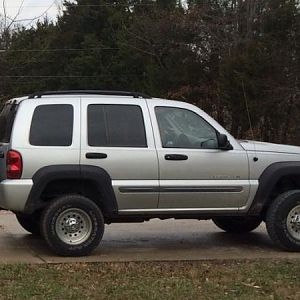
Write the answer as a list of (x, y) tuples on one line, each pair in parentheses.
[(54, 76), (58, 50), (91, 5)]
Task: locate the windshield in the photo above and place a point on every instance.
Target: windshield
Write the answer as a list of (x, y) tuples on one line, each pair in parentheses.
[(7, 117)]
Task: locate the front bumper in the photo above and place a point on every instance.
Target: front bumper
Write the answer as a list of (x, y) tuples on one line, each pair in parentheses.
[(14, 193)]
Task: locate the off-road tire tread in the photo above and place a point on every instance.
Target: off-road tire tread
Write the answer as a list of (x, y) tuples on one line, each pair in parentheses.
[(58, 246), (276, 233)]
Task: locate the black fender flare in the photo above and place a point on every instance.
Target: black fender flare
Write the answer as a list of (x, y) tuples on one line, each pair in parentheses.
[(267, 181), (97, 175)]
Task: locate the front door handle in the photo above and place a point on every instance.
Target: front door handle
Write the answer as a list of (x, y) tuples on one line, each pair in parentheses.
[(94, 155), (176, 157)]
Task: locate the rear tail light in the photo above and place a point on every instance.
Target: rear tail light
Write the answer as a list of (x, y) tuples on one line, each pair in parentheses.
[(14, 165)]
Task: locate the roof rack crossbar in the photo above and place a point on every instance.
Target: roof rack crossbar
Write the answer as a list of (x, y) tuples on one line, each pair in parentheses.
[(89, 92)]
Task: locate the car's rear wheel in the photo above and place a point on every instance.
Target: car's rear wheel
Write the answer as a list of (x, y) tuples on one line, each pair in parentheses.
[(237, 224), (72, 225), (283, 220), (30, 223)]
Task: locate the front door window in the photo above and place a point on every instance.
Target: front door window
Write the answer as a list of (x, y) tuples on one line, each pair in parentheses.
[(182, 128)]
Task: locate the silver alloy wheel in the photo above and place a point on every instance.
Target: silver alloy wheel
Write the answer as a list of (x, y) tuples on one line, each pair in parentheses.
[(293, 222), (73, 226)]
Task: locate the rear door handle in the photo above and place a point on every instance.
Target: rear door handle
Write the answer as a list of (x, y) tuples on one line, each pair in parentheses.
[(94, 155), (176, 157)]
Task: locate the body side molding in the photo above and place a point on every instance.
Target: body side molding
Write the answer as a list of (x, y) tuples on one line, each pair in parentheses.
[(187, 189)]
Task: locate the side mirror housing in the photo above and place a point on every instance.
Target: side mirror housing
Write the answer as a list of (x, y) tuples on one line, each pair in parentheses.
[(224, 143)]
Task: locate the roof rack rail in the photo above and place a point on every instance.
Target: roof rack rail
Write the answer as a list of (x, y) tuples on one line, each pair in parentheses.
[(89, 92)]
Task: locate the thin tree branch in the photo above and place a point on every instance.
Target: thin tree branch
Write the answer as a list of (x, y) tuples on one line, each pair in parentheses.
[(4, 12), (37, 17), (13, 20)]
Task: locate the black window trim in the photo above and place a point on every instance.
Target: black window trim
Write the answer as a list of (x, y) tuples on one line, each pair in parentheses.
[(117, 146), (188, 148)]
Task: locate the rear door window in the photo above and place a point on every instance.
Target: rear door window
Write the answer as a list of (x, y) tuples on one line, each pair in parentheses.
[(52, 125), (112, 125), (7, 117)]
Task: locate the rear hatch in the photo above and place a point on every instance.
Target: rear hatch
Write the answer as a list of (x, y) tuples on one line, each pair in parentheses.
[(7, 117)]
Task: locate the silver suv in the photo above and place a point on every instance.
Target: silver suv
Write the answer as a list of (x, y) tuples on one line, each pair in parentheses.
[(73, 161)]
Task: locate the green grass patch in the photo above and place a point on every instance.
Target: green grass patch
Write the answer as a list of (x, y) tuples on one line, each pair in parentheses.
[(154, 280)]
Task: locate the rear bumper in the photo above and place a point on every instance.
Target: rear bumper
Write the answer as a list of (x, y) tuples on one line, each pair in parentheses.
[(14, 193)]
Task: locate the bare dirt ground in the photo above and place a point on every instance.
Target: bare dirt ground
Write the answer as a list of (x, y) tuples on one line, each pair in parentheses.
[(169, 240)]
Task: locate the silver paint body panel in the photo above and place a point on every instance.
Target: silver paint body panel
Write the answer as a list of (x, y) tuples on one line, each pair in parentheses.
[(37, 157), (122, 163), (14, 193), (143, 181)]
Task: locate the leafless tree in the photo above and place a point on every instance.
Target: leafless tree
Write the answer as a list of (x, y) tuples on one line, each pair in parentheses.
[(7, 23)]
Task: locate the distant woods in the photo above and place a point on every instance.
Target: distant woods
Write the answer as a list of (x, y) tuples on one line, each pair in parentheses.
[(233, 58)]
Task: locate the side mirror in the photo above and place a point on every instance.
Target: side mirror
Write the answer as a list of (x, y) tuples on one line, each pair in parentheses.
[(224, 144)]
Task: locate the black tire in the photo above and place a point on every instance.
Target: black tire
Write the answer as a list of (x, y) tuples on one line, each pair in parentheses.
[(30, 223), (237, 224), (53, 232), (277, 221)]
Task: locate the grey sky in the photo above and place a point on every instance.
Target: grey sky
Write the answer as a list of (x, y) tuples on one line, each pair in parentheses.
[(31, 8)]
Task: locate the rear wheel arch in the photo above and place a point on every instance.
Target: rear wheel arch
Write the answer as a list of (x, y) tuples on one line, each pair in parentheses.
[(92, 182)]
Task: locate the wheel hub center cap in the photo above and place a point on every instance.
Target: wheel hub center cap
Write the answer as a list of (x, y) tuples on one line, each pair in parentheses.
[(296, 221), (71, 225)]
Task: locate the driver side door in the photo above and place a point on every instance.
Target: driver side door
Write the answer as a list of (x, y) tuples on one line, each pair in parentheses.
[(194, 174)]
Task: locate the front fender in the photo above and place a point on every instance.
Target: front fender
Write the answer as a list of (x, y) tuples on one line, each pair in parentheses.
[(267, 182)]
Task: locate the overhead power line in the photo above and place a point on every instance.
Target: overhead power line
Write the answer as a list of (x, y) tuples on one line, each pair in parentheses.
[(89, 5), (59, 50), (53, 76), (47, 76)]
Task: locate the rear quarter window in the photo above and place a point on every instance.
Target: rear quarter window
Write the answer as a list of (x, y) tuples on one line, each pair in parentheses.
[(7, 117), (52, 125)]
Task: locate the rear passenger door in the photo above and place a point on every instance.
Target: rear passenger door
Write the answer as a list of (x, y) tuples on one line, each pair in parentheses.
[(117, 137)]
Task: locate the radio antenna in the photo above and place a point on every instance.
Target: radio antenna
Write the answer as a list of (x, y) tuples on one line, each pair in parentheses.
[(250, 122)]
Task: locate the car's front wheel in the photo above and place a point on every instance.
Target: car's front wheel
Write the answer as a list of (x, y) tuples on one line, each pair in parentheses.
[(283, 220), (237, 224), (72, 225)]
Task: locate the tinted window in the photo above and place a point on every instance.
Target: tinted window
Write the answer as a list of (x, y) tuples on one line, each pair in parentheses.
[(182, 128), (116, 126), (7, 117), (52, 125)]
